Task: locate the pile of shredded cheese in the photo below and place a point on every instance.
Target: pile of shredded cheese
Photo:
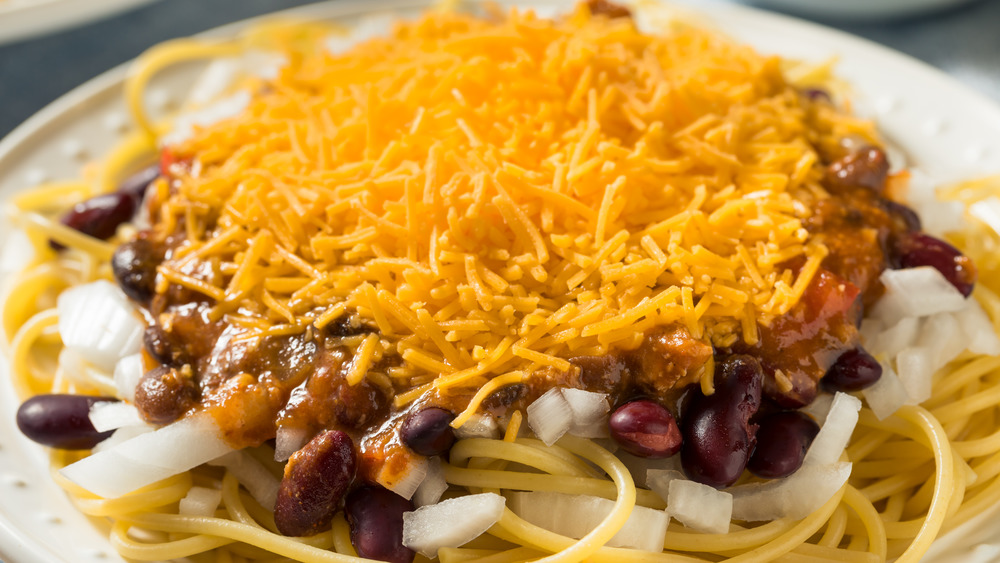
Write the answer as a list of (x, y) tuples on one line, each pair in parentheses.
[(501, 194)]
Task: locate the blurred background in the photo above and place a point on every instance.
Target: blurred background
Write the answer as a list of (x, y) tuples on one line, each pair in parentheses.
[(961, 37)]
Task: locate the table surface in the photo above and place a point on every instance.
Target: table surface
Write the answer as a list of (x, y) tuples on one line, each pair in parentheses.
[(964, 42)]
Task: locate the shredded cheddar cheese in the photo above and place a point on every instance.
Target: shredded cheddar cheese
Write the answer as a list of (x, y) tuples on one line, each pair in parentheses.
[(498, 195)]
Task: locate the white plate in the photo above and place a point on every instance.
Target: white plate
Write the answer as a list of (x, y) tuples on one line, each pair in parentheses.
[(950, 130), (860, 10), (20, 19)]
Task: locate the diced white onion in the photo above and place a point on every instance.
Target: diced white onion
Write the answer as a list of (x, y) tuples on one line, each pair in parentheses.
[(887, 394), (289, 440), (478, 426), (835, 432), (640, 466), (405, 484), (575, 516), (200, 501), (261, 483), (112, 415), (988, 211), (17, 253), (433, 485), (915, 372), (889, 342), (916, 292), (222, 74), (97, 321), (590, 413), (451, 523), (796, 496), (184, 125), (820, 407), (699, 506), (980, 334), (943, 338), (367, 28), (550, 416), (128, 372), (123, 434), (658, 480), (148, 458)]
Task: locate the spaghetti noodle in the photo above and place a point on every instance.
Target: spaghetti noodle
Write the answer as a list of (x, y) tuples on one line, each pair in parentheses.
[(465, 217)]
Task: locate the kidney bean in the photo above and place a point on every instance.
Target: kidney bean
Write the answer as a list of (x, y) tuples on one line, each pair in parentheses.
[(646, 429), (718, 435), (375, 516), (906, 219), (61, 421), (867, 167), (134, 267), (817, 95), (164, 394), (782, 441), (137, 184), (315, 481), (853, 371), (920, 249), (428, 431), (100, 216), (162, 348)]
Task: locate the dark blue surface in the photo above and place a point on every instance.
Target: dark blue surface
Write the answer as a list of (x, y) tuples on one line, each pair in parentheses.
[(964, 42)]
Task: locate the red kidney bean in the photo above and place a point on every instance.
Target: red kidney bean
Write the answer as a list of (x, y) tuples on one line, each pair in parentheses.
[(137, 184), (375, 516), (906, 219), (782, 441), (865, 168), (718, 435), (134, 267), (646, 429), (428, 431), (61, 421), (315, 481), (100, 216), (920, 249), (853, 371), (164, 394), (817, 95)]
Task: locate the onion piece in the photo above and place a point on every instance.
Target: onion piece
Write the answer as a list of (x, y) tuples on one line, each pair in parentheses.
[(259, 482), (128, 371), (200, 501), (835, 432), (433, 485), (590, 413), (112, 415), (658, 480), (942, 336), (887, 394), (123, 434), (451, 523), (980, 334), (796, 496), (915, 372), (916, 292), (550, 416), (890, 341), (820, 407), (404, 484), (700, 507), (289, 440), (183, 127), (17, 253), (480, 425), (97, 321), (575, 516), (639, 467), (149, 457)]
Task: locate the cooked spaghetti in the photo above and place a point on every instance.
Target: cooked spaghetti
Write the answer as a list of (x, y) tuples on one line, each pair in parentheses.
[(574, 246)]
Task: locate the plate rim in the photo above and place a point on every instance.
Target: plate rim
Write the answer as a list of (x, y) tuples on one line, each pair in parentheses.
[(31, 132)]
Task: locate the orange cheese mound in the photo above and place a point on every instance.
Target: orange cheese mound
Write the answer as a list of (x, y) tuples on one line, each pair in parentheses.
[(498, 195)]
